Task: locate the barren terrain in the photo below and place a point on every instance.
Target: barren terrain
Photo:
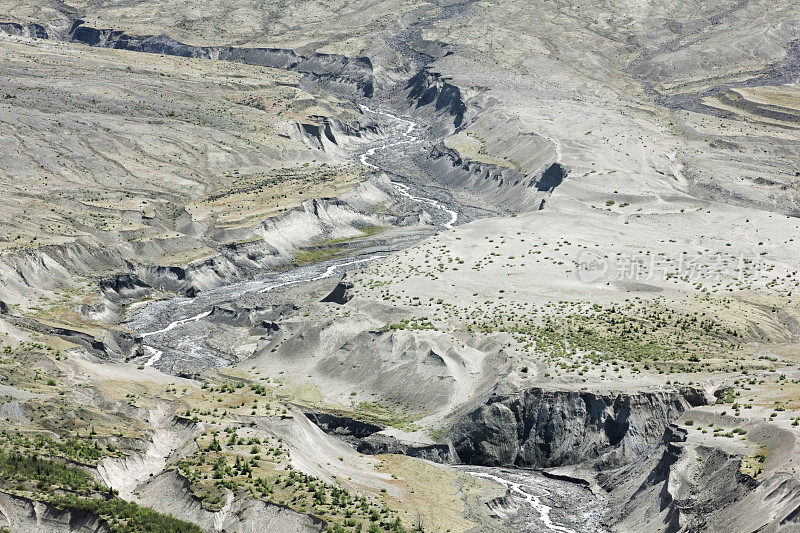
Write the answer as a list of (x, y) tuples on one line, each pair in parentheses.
[(385, 266)]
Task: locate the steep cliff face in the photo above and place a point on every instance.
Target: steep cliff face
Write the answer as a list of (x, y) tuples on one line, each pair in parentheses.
[(683, 485), (352, 76), (501, 186), (380, 444), (657, 477), (332, 135), (21, 514), (666, 494), (432, 94), (53, 267), (334, 70), (34, 31), (538, 428), (169, 492)]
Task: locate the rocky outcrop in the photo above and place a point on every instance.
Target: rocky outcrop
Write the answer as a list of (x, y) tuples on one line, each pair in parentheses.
[(433, 94), (502, 186), (168, 278), (551, 178), (20, 515), (341, 294), (123, 287), (686, 485), (123, 275), (333, 136), (348, 429), (686, 507), (381, 444), (31, 30), (110, 343), (334, 70), (539, 428), (679, 487), (25, 272), (260, 318), (230, 315)]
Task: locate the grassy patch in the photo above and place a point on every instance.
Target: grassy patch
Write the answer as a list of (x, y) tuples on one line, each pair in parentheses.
[(84, 450), (310, 256), (237, 461), (385, 415), (330, 248), (753, 465)]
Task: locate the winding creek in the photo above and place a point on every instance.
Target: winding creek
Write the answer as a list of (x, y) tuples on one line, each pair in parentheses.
[(407, 137), (535, 502), (161, 322), (155, 320)]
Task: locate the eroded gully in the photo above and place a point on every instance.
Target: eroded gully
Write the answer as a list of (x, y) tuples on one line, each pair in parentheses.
[(184, 317)]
